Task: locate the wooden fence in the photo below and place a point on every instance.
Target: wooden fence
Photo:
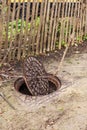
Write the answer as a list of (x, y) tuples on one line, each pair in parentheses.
[(30, 28)]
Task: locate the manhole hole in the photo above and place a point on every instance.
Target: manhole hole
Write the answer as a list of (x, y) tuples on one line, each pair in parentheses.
[(21, 87), (36, 82)]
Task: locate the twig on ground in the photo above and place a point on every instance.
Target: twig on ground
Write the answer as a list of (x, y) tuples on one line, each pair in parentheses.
[(51, 122), (64, 54), (5, 99), (7, 76), (4, 75)]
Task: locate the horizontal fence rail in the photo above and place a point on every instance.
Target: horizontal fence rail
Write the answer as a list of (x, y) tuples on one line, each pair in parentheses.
[(30, 28)]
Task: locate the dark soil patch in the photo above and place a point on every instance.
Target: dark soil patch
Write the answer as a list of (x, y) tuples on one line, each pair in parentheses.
[(57, 54), (16, 67)]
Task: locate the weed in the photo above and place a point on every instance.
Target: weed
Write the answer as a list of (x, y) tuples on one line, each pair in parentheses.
[(85, 37)]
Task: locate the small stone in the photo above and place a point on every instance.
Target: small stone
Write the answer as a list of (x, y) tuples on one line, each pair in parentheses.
[(77, 52)]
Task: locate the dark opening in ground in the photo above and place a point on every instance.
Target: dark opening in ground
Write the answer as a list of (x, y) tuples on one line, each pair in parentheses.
[(21, 87), (24, 90)]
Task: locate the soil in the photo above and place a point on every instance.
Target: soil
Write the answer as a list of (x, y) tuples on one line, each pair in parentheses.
[(65, 109)]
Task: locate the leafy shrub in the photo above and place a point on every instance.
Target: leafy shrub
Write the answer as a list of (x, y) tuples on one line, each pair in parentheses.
[(15, 27)]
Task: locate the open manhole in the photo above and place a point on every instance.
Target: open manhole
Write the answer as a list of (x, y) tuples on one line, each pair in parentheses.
[(36, 82), (21, 87)]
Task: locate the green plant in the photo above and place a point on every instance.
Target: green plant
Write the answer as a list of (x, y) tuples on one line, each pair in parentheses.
[(78, 39), (19, 26), (67, 30), (57, 44), (63, 43), (15, 27), (85, 37)]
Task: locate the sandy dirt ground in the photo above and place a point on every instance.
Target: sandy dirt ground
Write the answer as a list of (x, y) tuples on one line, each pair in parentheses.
[(65, 109)]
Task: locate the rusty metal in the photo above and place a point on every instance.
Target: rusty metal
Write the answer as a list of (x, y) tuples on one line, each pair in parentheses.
[(35, 77), (22, 90)]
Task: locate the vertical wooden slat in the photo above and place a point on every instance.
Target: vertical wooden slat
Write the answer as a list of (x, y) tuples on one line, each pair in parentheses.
[(39, 28), (43, 27), (74, 21), (58, 22), (81, 21), (11, 31), (62, 27), (50, 26), (70, 25), (7, 24), (54, 27), (15, 51), (21, 34), (56, 35), (67, 23), (1, 27), (7, 19), (86, 19), (46, 27), (29, 33), (78, 25), (33, 26), (36, 26), (26, 44)]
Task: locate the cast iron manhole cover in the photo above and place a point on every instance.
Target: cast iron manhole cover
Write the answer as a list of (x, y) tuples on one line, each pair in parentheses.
[(22, 90), (36, 86), (35, 77)]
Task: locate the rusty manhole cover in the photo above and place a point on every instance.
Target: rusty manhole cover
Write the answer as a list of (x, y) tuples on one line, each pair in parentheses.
[(21, 87), (35, 77), (36, 82)]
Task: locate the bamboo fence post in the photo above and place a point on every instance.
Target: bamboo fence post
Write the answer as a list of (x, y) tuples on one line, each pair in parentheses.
[(56, 35), (43, 26), (70, 23), (36, 26), (46, 26), (54, 26), (67, 24), (33, 26), (17, 11), (26, 37), (75, 23), (39, 29), (1, 27), (6, 45), (81, 21), (61, 38), (84, 8), (12, 31), (50, 26), (86, 19), (21, 37)]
